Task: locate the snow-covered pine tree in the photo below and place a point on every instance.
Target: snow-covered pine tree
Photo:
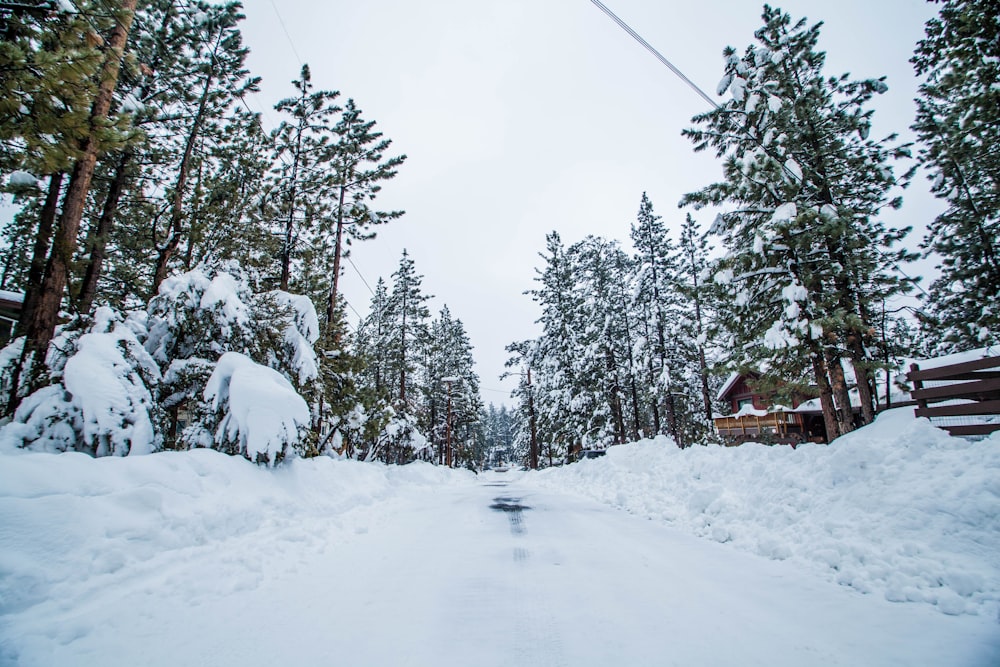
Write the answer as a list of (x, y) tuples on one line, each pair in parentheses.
[(161, 69), (300, 190), (697, 325), (807, 258), (372, 342), (657, 302), (601, 379), (408, 318), (99, 395), (559, 415), (525, 430), (203, 314), (958, 123), (404, 319), (451, 391)]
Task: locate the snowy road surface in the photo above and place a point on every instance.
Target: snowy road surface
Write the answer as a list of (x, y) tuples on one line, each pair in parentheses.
[(487, 572)]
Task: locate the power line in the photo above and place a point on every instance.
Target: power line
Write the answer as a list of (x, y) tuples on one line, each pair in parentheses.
[(284, 29), (659, 56), (358, 271)]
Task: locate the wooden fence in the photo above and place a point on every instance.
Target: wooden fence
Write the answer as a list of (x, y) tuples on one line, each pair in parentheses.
[(972, 381)]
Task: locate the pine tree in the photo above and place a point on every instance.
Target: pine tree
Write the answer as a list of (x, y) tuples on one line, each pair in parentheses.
[(657, 299), (693, 255), (361, 167), (958, 122), (408, 316), (525, 437), (808, 258), (558, 415), (220, 78), (100, 134), (301, 185)]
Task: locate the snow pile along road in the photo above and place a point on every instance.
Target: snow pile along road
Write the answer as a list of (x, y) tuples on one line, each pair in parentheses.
[(80, 533), (899, 508)]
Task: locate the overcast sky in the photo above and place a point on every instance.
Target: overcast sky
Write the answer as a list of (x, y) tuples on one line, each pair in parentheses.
[(520, 117)]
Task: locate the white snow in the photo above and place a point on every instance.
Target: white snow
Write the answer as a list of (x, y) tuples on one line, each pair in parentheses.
[(263, 412), (102, 402), (197, 558), (24, 179), (784, 212), (301, 333), (899, 509)]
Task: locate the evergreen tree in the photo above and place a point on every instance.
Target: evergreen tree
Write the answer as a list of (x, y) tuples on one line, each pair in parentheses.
[(698, 323), (808, 258), (219, 78), (958, 122), (558, 415), (361, 167), (300, 189), (100, 133), (657, 299)]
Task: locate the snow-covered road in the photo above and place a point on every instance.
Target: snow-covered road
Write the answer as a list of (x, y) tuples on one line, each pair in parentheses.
[(476, 572)]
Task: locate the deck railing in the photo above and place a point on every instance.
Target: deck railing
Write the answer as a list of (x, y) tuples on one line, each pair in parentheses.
[(972, 381)]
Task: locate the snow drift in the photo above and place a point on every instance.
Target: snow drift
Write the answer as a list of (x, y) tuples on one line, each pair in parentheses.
[(76, 529), (899, 508)]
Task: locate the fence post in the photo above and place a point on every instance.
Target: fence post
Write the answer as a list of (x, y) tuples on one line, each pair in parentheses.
[(917, 384)]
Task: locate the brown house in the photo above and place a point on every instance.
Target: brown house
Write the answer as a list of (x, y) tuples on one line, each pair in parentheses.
[(753, 415), (10, 310)]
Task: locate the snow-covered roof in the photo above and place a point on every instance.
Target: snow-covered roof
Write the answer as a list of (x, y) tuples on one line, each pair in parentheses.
[(733, 378), (7, 295)]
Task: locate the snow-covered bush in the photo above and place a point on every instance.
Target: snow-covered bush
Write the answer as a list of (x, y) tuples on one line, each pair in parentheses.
[(294, 321), (250, 410), (102, 399), (400, 440), (202, 313), (201, 317)]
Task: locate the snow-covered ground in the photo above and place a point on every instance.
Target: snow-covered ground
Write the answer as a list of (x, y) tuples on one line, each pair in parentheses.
[(196, 558), (899, 509)]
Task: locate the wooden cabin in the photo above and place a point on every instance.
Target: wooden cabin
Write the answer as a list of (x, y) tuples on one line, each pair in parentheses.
[(753, 415), (10, 311)]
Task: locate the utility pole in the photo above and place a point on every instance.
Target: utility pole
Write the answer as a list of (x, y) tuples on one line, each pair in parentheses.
[(531, 423), (447, 428)]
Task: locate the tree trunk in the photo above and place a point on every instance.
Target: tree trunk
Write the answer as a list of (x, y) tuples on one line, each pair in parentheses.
[(36, 272), (841, 395), (331, 307), (825, 395), (532, 425), (99, 239), (863, 378), (41, 326)]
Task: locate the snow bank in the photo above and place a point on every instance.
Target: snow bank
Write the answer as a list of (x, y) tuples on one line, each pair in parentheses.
[(898, 509), (72, 525)]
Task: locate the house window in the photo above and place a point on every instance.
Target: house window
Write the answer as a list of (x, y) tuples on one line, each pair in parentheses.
[(742, 402)]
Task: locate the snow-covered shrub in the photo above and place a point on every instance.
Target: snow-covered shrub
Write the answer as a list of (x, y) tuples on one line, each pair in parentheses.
[(250, 410), (294, 320), (102, 399), (400, 441), (201, 316), (202, 313)]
